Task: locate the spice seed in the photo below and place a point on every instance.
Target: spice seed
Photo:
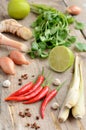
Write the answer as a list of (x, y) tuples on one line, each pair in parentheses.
[(27, 125), (28, 114), (33, 75), (19, 79), (21, 114), (27, 109), (37, 117), (20, 83)]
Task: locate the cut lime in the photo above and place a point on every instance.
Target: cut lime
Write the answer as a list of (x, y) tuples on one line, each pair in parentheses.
[(61, 58)]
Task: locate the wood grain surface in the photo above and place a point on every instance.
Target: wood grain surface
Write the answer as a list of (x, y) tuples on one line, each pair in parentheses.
[(9, 111)]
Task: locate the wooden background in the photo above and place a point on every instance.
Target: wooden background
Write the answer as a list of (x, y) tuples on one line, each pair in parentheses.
[(9, 118)]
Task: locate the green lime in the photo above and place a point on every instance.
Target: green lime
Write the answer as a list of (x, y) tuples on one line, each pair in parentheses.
[(61, 58), (18, 9)]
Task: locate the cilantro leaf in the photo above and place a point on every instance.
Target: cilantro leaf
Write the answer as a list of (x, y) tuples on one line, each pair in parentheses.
[(79, 25), (44, 55), (50, 29), (34, 46), (70, 19), (81, 46)]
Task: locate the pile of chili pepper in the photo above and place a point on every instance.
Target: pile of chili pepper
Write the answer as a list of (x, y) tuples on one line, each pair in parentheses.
[(33, 92)]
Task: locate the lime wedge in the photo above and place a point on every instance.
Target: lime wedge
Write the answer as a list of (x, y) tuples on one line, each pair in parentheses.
[(61, 58)]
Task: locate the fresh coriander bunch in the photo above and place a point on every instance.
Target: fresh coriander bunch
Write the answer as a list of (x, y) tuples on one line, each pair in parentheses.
[(50, 29)]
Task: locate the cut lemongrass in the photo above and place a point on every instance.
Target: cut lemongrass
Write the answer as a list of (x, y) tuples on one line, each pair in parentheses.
[(73, 92), (78, 111), (63, 115)]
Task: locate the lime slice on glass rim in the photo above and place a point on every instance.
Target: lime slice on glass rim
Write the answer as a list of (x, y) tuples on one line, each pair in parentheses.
[(60, 58)]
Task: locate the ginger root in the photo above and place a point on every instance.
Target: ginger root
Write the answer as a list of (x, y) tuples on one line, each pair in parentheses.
[(9, 42), (12, 26)]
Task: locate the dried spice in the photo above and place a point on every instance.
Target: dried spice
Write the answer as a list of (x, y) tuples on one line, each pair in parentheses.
[(27, 125), (37, 117)]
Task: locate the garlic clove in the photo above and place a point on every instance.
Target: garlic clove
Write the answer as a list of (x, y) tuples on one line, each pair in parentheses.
[(56, 82), (55, 106), (6, 83)]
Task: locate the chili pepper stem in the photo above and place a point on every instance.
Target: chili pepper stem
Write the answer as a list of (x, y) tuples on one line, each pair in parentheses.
[(58, 87), (42, 71)]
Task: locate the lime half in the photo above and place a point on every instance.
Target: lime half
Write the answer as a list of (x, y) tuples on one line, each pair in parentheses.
[(61, 58)]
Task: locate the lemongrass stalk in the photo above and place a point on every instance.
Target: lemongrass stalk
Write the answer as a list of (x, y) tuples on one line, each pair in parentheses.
[(73, 93), (78, 111), (63, 114)]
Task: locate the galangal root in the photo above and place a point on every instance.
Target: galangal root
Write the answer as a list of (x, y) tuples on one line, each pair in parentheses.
[(18, 58), (12, 26), (7, 65), (9, 42)]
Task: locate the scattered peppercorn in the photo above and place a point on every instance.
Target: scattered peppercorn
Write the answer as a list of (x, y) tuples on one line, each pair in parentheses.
[(37, 117), (21, 114), (34, 125), (25, 113), (27, 125), (27, 109), (33, 75), (37, 127), (28, 114), (20, 83), (19, 79), (24, 76)]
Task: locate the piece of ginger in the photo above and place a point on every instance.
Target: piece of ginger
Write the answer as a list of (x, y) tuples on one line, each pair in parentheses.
[(12, 26), (12, 43)]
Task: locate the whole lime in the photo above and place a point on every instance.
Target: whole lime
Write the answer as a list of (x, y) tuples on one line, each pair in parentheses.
[(18, 9)]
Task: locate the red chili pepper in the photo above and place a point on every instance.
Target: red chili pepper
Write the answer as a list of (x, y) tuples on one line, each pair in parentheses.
[(22, 98), (36, 85), (41, 95), (23, 89), (30, 87), (48, 98)]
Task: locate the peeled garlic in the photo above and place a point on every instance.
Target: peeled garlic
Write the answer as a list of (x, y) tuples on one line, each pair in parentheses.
[(55, 106), (56, 82), (6, 83)]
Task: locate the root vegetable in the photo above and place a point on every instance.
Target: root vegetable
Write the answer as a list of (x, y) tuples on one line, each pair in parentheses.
[(7, 65), (74, 10), (73, 93), (78, 111), (18, 57), (9, 42), (63, 115), (12, 26)]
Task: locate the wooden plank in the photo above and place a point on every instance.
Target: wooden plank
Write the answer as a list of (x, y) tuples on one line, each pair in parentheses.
[(82, 16), (10, 111)]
